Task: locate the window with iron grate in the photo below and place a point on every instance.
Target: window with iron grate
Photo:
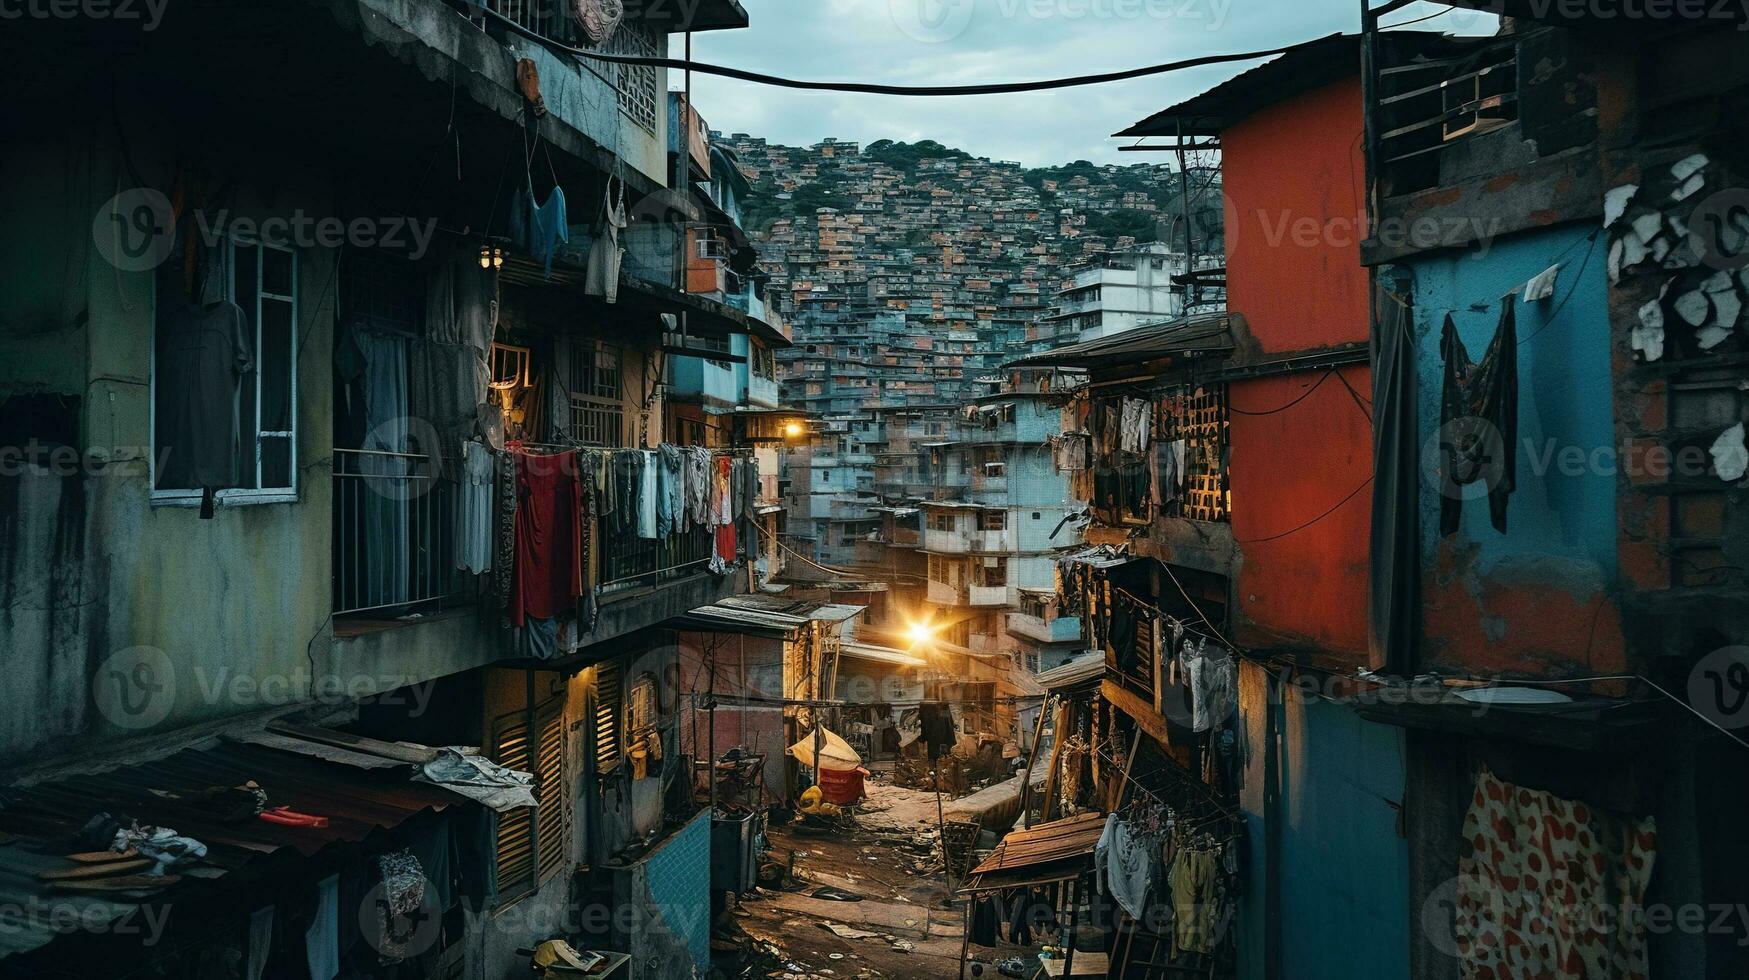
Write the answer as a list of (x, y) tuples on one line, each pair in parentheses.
[(639, 86)]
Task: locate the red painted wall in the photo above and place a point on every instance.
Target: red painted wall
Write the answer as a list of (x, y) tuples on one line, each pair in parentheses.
[(1293, 176), (1310, 586)]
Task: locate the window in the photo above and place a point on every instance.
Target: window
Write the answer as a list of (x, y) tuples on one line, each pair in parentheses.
[(597, 395), (642, 725), (1199, 417), (992, 520), (262, 280), (941, 521), (990, 573), (533, 844), (609, 744), (638, 85)]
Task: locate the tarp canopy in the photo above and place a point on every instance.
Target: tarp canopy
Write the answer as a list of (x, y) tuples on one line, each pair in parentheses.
[(835, 753)]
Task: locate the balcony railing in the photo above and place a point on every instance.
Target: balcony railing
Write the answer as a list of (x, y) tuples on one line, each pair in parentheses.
[(550, 19), (394, 535), (629, 561)]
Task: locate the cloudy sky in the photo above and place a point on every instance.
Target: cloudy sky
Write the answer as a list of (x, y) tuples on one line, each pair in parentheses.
[(955, 42)]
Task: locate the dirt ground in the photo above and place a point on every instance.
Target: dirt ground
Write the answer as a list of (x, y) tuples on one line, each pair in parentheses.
[(888, 854)]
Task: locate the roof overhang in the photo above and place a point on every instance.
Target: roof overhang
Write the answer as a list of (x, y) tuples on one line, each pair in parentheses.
[(1311, 65), (1201, 337)]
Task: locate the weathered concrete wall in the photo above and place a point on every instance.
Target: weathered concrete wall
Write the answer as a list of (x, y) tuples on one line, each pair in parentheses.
[(1301, 510), (1540, 593), (104, 567)]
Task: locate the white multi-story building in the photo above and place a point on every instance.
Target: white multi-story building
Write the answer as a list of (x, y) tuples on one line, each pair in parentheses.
[(1122, 291)]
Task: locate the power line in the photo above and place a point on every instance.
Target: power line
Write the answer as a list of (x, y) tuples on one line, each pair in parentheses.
[(932, 91), (1333, 509)]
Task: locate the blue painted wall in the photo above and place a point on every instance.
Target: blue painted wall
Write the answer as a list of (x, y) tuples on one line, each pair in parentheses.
[(1564, 390), (1342, 869)]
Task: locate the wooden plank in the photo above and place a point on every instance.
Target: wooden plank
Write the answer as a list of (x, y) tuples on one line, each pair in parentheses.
[(1140, 711), (1057, 741)]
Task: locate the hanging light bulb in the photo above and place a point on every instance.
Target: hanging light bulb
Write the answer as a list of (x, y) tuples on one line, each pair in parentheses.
[(486, 256)]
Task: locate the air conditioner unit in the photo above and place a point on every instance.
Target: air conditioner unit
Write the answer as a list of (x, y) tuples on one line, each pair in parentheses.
[(713, 248)]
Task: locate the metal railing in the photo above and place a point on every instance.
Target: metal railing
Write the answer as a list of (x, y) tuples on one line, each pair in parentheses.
[(551, 19), (628, 561), (394, 531)]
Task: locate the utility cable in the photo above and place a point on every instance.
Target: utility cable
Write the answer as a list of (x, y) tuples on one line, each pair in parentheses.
[(932, 91), (1333, 509)]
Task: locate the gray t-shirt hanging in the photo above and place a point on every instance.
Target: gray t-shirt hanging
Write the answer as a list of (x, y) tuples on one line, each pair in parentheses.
[(203, 354)]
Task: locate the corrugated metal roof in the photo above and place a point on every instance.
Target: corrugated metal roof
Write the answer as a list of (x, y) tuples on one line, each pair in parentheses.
[(1318, 63), (1079, 671), (880, 654), (1202, 335), (356, 801), (1051, 851), (762, 615)]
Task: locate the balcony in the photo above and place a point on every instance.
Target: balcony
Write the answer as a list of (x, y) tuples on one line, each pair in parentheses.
[(987, 595), (394, 535), (956, 542), (629, 561), (943, 594), (1061, 629)]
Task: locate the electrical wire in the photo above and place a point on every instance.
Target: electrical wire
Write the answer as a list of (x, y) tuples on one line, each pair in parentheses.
[(1694, 711), (927, 91), (1417, 20), (1302, 397), (1333, 509)]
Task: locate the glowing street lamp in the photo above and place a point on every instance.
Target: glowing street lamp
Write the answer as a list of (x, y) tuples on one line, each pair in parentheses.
[(920, 633), (792, 430)]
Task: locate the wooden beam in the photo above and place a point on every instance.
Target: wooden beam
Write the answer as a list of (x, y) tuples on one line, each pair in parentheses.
[(1056, 762), (1140, 711)]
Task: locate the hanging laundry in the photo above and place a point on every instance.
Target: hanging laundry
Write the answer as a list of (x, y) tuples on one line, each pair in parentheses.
[(1135, 426), (939, 733), (403, 892), (474, 510), (723, 548), (648, 483), (459, 299), (750, 497), (1478, 416), (605, 253), (1213, 680), (1123, 862), (203, 352), (722, 491), (548, 565), (1541, 882), (504, 532), (698, 485), (548, 229), (670, 491), (1195, 905), (627, 481)]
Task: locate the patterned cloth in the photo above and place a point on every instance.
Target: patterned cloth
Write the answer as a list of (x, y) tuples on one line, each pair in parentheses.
[(1550, 888), (698, 485)]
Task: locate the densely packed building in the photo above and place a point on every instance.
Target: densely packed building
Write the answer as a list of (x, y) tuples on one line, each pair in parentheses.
[(912, 274)]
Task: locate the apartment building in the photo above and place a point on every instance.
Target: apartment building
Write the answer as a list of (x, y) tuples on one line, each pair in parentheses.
[(321, 319)]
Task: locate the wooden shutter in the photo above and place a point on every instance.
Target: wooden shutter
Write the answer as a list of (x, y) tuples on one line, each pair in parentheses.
[(552, 789), (516, 855), (608, 744)]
